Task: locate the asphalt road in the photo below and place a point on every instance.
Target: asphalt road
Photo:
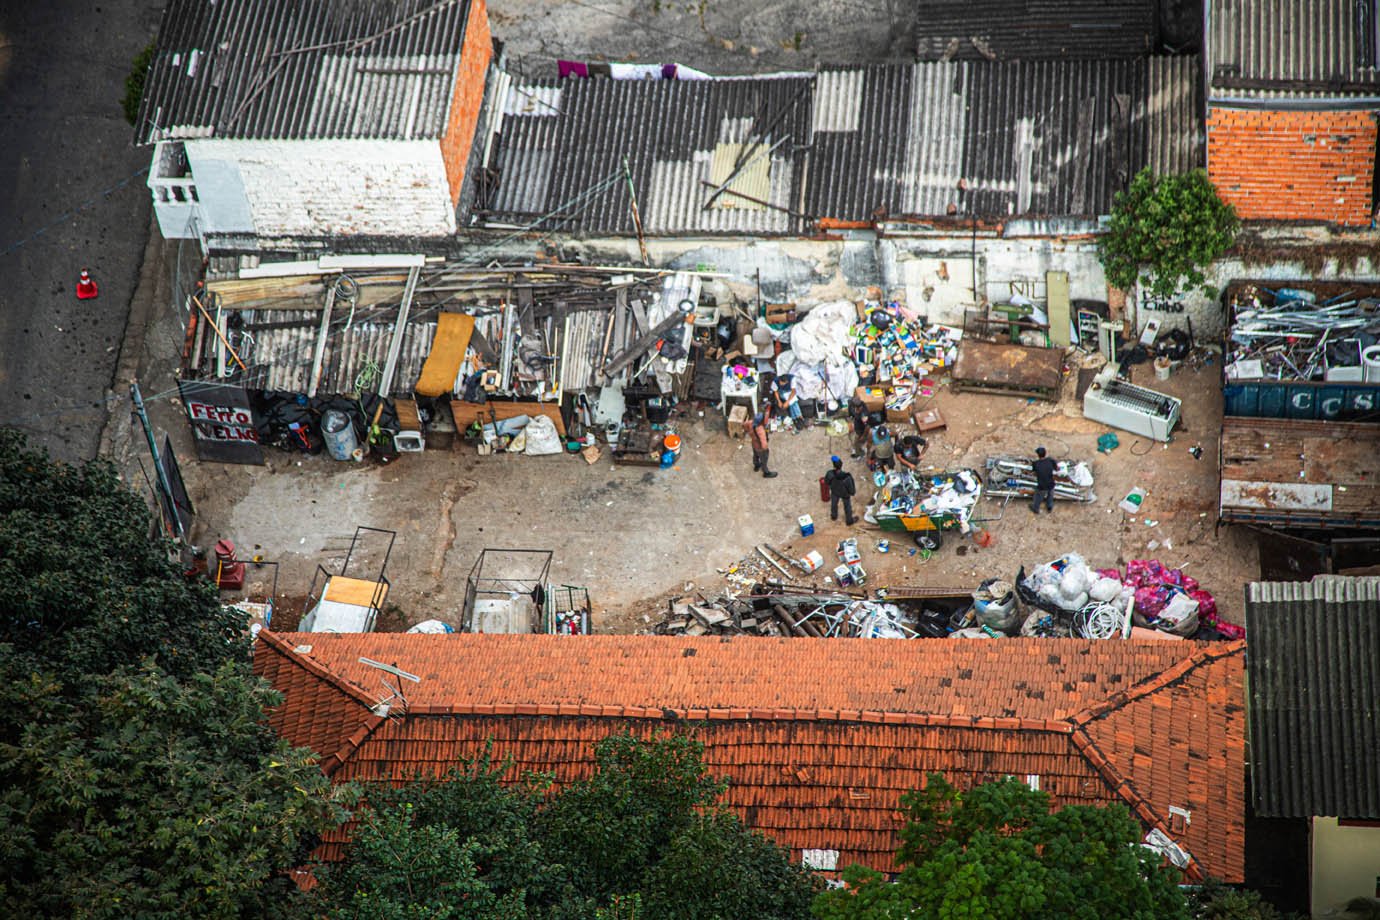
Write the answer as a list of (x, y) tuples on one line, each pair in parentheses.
[(63, 142)]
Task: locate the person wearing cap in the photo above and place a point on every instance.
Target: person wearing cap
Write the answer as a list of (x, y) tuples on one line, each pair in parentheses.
[(883, 449), (757, 431), (1044, 482), (841, 489)]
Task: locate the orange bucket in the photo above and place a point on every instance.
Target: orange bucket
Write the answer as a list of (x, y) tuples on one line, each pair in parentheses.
[(672, 443)]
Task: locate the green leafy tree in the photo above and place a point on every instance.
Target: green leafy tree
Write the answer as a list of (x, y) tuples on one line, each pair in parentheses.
[(84, 590), (486, 825), (1214, 900), (400, 869), (134, 83), (1164, 231), (612, 827), (717, 868), (144, 796), (998, 851)]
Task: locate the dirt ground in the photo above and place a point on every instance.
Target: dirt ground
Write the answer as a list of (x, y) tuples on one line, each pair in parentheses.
[(635, 536), (718, 36)]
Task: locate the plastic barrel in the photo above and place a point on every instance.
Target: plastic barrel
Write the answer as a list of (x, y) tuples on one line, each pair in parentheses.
[(339, 434)]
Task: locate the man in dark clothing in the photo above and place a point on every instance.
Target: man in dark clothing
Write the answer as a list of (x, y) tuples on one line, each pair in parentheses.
[(1044, 482), (841, 489), (861, 419), (757, 430)]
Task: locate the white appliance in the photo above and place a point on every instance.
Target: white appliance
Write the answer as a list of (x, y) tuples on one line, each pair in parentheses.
[(1133, 408)]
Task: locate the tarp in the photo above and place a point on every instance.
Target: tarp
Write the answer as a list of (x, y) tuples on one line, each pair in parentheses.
[(453, 331)]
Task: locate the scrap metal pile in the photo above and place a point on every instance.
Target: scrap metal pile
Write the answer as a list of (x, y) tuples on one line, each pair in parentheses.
[(1289, 334), (1014, 477), (773, 609)]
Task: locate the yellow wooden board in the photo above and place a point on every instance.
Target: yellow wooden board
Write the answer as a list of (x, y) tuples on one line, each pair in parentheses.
[(453, 331), (355, 591), (465, 412)]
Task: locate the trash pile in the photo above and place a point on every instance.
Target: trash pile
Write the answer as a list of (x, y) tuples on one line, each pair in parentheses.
[(887, 349), (1288, 335), (1071, 598), (1014, 477)]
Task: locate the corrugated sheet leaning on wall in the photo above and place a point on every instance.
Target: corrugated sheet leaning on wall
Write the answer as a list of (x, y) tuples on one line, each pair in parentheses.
[(1031, 138)]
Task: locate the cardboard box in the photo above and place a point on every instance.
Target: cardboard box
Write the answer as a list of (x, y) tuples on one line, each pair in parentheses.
[(737, 421), (873, 397), (899, 416), (930, 419)]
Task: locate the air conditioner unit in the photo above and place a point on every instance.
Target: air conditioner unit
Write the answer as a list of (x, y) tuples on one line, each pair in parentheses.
[(1132, 408)]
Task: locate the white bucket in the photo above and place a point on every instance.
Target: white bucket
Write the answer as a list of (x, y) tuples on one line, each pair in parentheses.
[(1163, 366), (1370, 364)]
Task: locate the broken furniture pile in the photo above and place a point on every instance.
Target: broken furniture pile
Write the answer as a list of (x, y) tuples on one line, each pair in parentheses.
[(1014, 477), (1292, 334)]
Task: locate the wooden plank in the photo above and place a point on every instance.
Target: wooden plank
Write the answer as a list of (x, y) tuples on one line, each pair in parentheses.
[(1057, 302), (467, 412), (448, 347)]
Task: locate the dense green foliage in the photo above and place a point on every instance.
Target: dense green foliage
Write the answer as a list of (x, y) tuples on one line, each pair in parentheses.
[(1215, 901), (640, 838), (1164, 230), (137, 775), (998, 851), (83, 590), (134, 83)]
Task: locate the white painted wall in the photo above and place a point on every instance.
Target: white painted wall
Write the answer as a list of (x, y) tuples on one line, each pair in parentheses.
[(1346, 864), (312, 188)]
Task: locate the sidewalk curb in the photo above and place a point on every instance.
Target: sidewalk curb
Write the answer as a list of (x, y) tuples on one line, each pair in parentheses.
[(116, 430)]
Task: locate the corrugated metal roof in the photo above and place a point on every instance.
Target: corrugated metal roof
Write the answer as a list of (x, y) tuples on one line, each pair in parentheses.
[(303, 69), (1009, 30), (1046, 138), (561, 149), (1318, 46), (282, 357), (1314, 679)]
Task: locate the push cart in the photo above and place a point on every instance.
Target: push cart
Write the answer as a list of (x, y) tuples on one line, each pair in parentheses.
[(897, 506)]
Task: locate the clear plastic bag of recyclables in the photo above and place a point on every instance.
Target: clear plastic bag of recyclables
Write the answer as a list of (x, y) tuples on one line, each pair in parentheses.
[(994, 603)]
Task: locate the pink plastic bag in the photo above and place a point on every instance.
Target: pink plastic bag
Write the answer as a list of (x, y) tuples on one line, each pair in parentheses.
[(1150, 600), (1207, 606), (1190, 583)]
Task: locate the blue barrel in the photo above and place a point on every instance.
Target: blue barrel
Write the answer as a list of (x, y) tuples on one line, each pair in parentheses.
[(339, 434)]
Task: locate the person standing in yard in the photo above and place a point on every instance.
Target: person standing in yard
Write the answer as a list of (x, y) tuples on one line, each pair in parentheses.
[(757, 431), (883, 449), (1044, 482), (861, 420), (841, 489)]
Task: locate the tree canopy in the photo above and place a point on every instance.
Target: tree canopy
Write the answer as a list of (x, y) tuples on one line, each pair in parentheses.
[(998, 851), (83, 588), (137, 774), (1164, 231)]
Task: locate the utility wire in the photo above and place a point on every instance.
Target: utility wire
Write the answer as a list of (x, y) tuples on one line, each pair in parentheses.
[(81, 207)]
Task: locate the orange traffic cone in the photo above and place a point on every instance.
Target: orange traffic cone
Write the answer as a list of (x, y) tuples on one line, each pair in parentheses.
[(86, 288)]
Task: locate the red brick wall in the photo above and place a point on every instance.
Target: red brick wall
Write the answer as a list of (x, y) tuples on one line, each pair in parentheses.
[(1294, 165), (468, 97)]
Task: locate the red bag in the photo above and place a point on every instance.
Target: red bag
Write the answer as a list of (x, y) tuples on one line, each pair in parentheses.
[(823, 490)]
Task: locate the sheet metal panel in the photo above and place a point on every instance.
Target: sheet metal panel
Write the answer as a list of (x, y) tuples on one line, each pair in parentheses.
[(1284, 45), (667, 131), (1314, 681), (1297, 399), (292, 69)]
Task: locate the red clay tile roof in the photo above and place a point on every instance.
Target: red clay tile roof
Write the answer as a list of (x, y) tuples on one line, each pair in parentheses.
[(1314, 166), (817, 739)]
